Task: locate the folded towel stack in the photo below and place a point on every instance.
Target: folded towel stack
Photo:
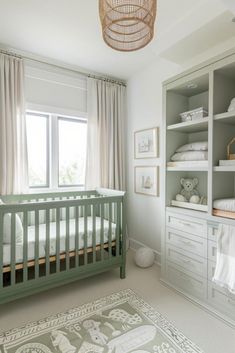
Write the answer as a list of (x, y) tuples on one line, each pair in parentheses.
[(196, 151)]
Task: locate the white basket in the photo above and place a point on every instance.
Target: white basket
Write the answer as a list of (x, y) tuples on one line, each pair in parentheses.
[(194, 114)]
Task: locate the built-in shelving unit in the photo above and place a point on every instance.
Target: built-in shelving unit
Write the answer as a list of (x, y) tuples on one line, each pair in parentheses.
[(189, 239), (187, 169), (224, 169), (190, 126), (226, 118)]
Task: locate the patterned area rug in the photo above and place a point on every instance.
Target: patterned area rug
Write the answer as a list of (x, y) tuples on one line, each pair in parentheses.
[(119, 323)]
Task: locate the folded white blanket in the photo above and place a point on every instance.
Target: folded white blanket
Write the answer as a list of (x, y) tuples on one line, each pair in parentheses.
[(190, 156), (225, 204), (225, 266), (194, 146)]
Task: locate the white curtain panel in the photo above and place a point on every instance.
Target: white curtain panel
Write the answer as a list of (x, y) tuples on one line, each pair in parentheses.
[(105, 140), (13, 144)]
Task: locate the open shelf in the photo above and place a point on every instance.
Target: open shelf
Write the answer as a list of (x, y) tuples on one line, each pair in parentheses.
[(190, 126), (187, 169), (226, 118), (229, 168)]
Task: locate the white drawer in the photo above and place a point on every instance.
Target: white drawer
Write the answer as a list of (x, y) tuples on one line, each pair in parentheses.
[(187, 224), (188, 242), (190, 263), (212, 230), (212, 250), (211, 270), (221, 299), (191, 284)]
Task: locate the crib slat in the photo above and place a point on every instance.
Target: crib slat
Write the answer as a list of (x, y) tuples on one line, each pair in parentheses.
[(36, 248), (25, 246), (13, 247), (76, 236), (58, 240), (1, 250), (102, 231), (85, 235), (47, 242), (67, 239), (118, 220), (94, 232), (110, 229)]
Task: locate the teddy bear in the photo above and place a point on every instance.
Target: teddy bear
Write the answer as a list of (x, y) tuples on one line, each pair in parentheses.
[(188, 192)]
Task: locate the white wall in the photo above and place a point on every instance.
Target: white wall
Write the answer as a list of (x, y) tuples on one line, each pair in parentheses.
[(145, 111)]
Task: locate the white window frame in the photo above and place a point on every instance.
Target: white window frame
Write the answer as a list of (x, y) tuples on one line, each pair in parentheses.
[(53, 148)]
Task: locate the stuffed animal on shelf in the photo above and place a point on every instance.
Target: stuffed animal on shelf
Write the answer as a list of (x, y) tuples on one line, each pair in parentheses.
[(189, 193)]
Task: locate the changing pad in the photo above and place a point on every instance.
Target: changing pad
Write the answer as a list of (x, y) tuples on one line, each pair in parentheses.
[(225, 204)]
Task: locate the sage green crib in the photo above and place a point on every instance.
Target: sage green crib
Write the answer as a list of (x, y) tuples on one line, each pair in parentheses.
[(56, 238)]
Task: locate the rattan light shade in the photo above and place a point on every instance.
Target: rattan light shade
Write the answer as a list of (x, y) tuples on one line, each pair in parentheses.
[(127, 25)]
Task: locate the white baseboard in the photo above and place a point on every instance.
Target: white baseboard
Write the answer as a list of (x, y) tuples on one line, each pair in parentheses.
[(135, 245)]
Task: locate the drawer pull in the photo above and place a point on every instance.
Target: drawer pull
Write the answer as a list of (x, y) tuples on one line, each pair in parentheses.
[(186, 261), (185, 224), (187, 242)]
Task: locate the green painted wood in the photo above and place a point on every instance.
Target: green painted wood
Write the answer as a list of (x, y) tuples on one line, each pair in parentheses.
[(110, 229), (118, 228), (76, 235), (85, 234), (43, 283), (67, 247), (123, 249), (25, 245), (47, 250), (13, 248), (57, 239), (1, 250), (102, 231), (33, 206), (36, 247), (94, 233), (81, 202)]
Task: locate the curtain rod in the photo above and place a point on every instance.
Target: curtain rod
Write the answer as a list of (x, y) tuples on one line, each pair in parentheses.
[(106, 79), (10, 53)]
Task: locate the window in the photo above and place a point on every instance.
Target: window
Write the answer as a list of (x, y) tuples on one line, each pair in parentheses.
[(72, 152), (56, 150)]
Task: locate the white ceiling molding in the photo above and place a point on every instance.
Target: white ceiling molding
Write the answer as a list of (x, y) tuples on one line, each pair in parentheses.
[(215, 32)]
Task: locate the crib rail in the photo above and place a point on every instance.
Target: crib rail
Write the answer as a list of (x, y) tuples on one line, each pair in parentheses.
[(81, 234)]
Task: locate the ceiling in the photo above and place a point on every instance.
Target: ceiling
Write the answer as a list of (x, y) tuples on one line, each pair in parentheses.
[(70, 32)]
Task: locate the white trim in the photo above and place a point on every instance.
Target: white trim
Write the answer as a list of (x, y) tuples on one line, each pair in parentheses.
[(135, 245)]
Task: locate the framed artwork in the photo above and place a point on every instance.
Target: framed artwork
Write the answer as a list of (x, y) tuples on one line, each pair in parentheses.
[(147, 180), (147, 143)]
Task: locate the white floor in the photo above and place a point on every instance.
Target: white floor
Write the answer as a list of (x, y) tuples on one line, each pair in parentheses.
[(212, 335)]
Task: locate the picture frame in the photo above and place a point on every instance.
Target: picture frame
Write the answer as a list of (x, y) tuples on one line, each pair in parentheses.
[(146, 143), (147, 180)]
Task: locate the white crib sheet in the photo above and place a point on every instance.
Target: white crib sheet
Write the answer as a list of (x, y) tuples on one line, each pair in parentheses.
[(42, 238)]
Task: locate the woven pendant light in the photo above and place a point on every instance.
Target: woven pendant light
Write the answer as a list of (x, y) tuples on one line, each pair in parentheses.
[(127, 25)]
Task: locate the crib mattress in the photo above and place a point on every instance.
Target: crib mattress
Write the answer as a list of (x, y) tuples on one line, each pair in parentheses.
[(42, 239)]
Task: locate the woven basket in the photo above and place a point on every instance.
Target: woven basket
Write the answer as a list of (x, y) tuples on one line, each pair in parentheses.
[(230, 156)]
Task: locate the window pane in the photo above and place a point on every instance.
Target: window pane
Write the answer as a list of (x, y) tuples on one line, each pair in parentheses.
[(72, 152), (37, 132)]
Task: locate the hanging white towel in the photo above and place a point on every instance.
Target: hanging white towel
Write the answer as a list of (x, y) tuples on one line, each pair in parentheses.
[(225, 266)]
